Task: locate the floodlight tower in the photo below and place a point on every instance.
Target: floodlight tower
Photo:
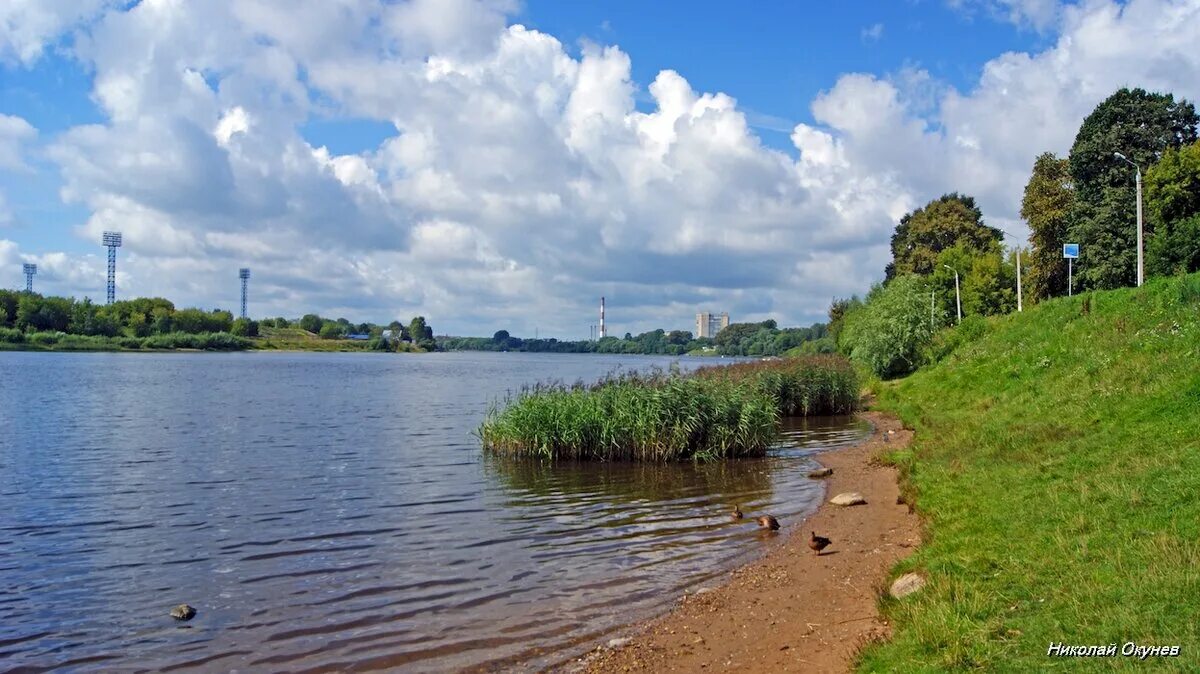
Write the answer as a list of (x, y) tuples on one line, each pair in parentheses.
[(112, 240), (244, 274), (30, 270)]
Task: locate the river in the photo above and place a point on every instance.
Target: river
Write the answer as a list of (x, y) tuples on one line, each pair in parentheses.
[(335, 512)]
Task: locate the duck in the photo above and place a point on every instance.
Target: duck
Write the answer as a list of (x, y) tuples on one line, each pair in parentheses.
[(818, 543), (737, 513), (768, 522)]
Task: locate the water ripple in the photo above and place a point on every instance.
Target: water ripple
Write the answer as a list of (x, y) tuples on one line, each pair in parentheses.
[(332, 511)]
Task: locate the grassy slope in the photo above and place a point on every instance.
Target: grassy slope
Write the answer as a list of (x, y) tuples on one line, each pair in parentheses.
[(298, 339), (1057, 465)]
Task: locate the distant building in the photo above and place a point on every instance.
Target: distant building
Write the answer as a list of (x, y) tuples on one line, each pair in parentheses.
[(359, 336), (708, 325)]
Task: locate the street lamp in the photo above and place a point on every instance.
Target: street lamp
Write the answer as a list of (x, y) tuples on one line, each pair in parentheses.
[(1019, 304), (1138, 169), (957, 295)]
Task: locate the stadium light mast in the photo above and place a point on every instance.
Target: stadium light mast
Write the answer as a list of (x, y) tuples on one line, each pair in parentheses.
[(30, 271), (112, 241), (244, 274)]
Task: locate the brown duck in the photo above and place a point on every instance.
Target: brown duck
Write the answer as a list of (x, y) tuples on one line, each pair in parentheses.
[(768, 522), (737, 513), (818, 543)]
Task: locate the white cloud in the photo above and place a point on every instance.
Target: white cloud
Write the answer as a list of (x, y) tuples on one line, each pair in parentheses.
[(27, 27), (522, 182), (6, 216), (1040, 15), (872, 33), (14, 133)]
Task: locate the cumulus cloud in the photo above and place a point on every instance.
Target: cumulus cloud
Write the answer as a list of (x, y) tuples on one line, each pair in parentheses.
[(27, 27), (14, 132), (522, 182)]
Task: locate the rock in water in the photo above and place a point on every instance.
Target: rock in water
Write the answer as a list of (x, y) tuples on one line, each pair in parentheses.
[(183, 612), (848, 499), (906, 585), (820, 472)]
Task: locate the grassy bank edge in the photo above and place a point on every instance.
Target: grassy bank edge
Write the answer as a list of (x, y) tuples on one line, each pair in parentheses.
[(1088, 407)]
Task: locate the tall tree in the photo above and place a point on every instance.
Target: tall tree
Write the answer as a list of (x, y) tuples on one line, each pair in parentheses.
[(1173, 206), (1046, 206), (1141, 126), (942, 223)]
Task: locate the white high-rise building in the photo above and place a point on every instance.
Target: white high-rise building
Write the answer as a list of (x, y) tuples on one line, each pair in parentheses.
[(708, 324)]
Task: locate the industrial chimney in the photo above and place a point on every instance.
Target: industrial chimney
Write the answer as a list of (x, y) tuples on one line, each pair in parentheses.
[(603, 332)]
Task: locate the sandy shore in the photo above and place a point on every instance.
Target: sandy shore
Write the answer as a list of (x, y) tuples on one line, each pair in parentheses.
[(792, 611)]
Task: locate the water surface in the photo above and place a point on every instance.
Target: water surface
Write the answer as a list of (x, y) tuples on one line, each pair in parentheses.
[(334, 511)]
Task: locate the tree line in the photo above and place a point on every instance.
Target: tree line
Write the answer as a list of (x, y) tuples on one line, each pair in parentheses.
[(154, 322), (1086, 198), (737, 339)]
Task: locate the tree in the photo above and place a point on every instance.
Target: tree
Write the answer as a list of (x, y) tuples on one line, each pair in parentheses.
[(422, 334), (8, 306), (679, 337), (311, 323), (1046, 207), (924, 233), (1141, 126), (1173, 206), (888, 333), (244, 327), (331, 330), (500, 336), (837, 315)]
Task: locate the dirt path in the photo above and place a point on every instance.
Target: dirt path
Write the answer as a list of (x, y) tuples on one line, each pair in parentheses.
[(793, 611)]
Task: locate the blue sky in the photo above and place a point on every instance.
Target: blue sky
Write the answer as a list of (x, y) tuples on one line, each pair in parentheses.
[(430, 156)]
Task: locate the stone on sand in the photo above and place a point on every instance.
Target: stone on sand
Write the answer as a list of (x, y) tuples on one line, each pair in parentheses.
[(848, 498)]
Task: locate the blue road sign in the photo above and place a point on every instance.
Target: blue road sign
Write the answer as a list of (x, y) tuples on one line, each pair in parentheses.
[(1070, 250)]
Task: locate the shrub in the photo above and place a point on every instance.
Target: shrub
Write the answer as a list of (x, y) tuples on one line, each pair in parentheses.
[(888, 334), (12, 336)]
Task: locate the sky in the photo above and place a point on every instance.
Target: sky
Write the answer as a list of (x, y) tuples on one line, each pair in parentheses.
[(497, 164)]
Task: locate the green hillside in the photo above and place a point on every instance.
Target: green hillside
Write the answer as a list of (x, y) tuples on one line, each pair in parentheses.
[(1057, 467)]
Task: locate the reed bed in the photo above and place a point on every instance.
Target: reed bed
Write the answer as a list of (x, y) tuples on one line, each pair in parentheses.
[(716, 413)]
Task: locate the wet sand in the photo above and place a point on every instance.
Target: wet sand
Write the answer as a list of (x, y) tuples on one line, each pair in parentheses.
[(792, 611)]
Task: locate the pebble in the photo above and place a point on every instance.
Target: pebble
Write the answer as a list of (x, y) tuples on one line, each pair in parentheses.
[(183, 612), (848, 498), (820, 472)]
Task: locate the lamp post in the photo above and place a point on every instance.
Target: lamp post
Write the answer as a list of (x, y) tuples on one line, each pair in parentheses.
[(1138, 174), (1020, 305), (957, 295)]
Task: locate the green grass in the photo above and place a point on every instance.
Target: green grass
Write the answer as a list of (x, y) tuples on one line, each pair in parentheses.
[(1057, 468), (717, 413)]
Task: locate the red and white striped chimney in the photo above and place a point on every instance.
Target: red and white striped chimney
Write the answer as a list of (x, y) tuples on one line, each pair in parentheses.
[(603, 332)]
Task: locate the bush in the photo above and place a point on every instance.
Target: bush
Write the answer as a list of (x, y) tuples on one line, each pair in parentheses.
[(888, 334), (244, 327), (12, 336), (209, 341), (44, 338)]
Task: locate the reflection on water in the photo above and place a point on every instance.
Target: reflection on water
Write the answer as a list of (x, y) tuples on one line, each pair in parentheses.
[(333, 511)]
